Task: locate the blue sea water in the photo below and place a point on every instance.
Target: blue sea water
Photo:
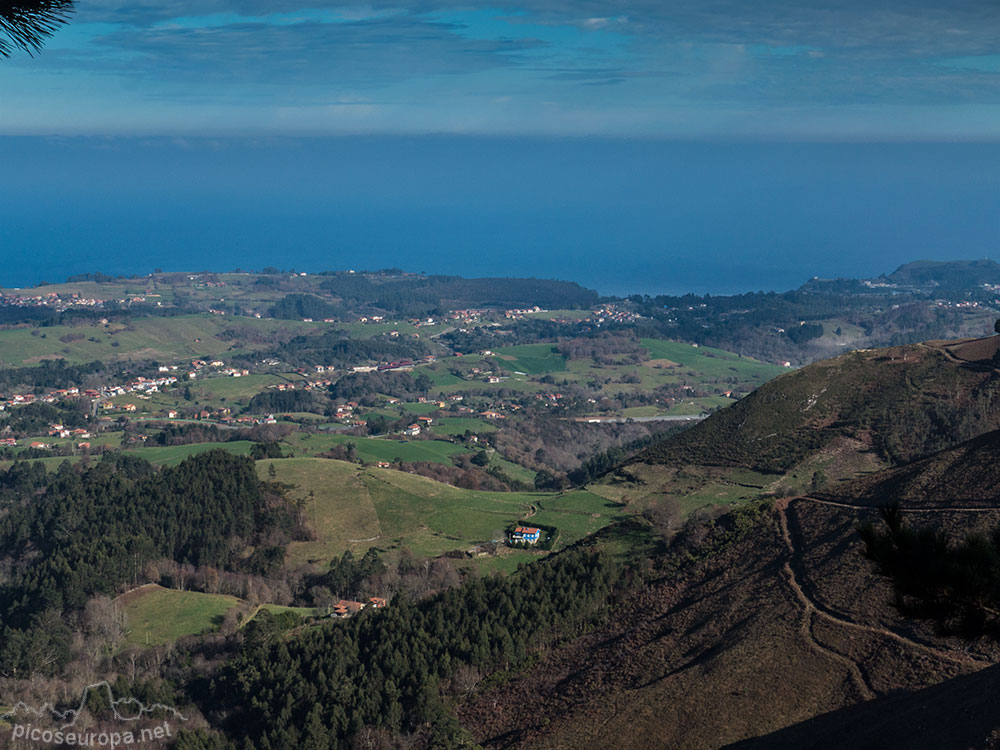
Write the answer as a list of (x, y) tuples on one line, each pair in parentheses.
[(620, 216)]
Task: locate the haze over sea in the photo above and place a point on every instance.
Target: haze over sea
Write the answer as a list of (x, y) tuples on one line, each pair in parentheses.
[(618, 215)]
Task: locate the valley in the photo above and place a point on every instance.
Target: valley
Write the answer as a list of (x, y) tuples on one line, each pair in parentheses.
[(685, 518)]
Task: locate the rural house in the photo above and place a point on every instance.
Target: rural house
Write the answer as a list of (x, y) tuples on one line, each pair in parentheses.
[(526, 534)]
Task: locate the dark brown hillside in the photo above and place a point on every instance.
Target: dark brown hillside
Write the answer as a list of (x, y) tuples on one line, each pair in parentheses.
[(967, 475), (787, 624), (791, 622), (972, 350), (962, 713), (901, 403)]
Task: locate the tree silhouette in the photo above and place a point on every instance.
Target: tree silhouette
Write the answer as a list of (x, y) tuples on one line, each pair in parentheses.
[(25, 24)]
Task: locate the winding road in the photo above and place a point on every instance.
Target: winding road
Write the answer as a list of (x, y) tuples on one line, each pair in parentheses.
[(793, 570)]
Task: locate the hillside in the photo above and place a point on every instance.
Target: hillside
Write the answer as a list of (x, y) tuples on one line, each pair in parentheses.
[(897, 404), (961, 713), (965, 476), (950, 275), (787, 624), (349, 507), (787, 631)]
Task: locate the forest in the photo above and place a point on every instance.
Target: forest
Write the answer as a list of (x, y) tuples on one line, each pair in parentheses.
[(92, 531), (394, 671)]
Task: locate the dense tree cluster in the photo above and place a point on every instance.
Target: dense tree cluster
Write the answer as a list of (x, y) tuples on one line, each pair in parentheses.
[(268, 402), (365, 385), (955, 583), (94, 530), (56, 373), (606, 461), (299, 306), (335, 348), (387, 669), (805, 332), (423, 295), (605, 348), (34, 419)]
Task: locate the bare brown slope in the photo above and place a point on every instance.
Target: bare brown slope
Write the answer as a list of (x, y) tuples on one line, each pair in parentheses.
[(967, 475), (972, 350), (962, 713), (787, 624)]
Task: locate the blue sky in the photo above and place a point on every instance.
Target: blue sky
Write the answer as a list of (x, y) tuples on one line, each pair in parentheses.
[(847, 69)]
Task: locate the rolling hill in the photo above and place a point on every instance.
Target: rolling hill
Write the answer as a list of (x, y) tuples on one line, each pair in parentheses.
[(781, 634), (897, 404)]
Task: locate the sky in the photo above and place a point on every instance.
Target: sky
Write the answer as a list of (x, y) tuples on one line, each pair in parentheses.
[(635, 146), (847, 69)]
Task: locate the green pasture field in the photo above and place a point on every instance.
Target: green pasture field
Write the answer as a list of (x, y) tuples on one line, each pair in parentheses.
[(373, 450), (172, 455), (156, 615), (439, 375), (419, 409), (557, 314), (172, 339), (241, 389), (710, 362), (532, 359), (335, 501), (458, 426), (353, 507)]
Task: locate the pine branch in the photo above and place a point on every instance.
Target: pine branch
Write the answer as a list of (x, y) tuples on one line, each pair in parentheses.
[(25, 24)]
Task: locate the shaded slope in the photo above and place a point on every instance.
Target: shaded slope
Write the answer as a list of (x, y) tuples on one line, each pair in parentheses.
[(960, 713), (787, 624), (967, 475), (901, 403)]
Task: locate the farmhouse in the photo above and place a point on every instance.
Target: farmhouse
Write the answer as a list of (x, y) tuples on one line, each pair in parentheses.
[(412, 430), (345, 608), (527, 534)]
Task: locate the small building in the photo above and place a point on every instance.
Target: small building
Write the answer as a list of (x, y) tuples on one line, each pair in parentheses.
[(526, 534), (413, 430), (345, 608)]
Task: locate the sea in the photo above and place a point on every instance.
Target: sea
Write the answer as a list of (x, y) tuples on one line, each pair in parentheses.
[(620, 216)]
